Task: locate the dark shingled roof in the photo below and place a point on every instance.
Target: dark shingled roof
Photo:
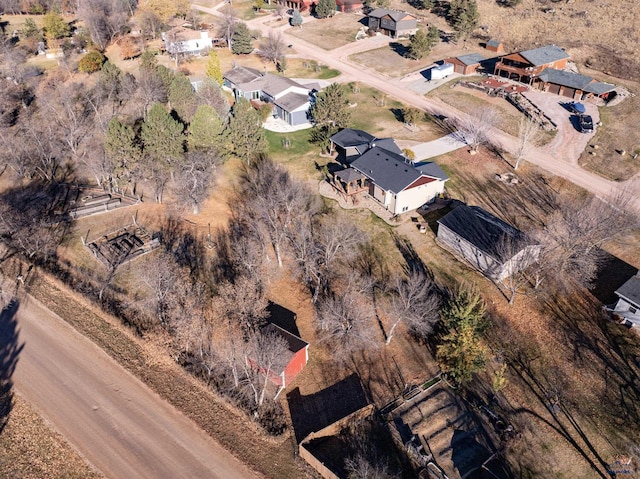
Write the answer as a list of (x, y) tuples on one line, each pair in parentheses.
[(239, 75), (350, 137), (599, 88), (348, 174), (543, 55), (564, 78), (291, 101), (394, 14), (471, 59), (432, 169), (482, 229), (388, 144), (388, 170), (631, 291)]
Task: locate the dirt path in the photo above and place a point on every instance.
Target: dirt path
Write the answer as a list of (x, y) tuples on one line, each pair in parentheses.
[(118, 424)]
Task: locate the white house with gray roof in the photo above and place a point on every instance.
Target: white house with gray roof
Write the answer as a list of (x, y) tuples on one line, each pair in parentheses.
[(291, 100), (628, 306)]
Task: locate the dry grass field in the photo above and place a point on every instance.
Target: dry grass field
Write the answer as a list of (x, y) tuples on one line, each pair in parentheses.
[(329, 33)]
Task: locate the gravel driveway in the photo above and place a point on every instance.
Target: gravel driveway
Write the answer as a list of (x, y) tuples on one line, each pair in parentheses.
[(568, 143)]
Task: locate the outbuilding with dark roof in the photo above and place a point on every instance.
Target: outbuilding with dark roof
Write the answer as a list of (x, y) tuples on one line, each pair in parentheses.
[(488, 243)]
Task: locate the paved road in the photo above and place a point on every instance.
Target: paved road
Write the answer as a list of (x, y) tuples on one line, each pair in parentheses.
[(561, 160), (117, 423)]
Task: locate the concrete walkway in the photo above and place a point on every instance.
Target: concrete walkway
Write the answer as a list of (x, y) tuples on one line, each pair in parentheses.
[(441, 146)]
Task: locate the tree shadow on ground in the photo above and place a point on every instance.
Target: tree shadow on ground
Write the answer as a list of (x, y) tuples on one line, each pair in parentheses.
[(399, 48), (565, 402), (10, 349)]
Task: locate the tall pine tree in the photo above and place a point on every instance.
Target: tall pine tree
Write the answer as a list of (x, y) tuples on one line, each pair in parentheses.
[(122, 151), (330, 114), (242, 43), (245, 132), (326, 8), (205, 130)]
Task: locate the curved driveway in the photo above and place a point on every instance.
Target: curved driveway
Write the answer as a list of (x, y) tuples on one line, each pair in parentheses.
[(562, 162), (116, 422)]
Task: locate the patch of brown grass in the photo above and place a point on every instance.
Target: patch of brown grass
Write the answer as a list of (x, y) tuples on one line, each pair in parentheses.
[(30, 449), (619, 132), (329, 33)]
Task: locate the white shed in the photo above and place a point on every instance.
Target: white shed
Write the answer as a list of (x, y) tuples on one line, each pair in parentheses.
[(441, 71)]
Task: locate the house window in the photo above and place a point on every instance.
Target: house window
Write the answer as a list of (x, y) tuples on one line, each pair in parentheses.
[(255, 95), (632, 310), (405, 209)]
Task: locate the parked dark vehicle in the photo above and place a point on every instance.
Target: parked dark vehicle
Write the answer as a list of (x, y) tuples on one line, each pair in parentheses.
[(577, 108), (586, 123)]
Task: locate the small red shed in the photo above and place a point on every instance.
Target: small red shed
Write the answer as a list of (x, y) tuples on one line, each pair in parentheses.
[(297, 355)]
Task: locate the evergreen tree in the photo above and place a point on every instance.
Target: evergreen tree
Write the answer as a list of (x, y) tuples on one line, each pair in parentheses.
[(464, 16), (427, 4), (148, 60), (296, 19), (245, 132), (182, 97), (242, 43), (205, 130), (55, 27), (31, 30), (326, 8), (213, 67), (122, 151), (330, 113), (162, 138), (419, 46), (461, 354)]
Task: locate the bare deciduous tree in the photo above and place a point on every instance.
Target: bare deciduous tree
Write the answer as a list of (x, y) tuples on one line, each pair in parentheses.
[(276, 201), (273, 47), (242, 303), (264, 356), (528, 133), (227, 24), (359, 467), (415, 301), (474, 128), (161, 276), (519, 254), (574, 235), (194, 178), (345, 324)]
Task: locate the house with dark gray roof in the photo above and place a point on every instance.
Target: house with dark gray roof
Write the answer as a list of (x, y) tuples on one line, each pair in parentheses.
[(628, 306), (489, 244), (572, 85), (350, 143), (291, 100), (392, 23), (524, 66)]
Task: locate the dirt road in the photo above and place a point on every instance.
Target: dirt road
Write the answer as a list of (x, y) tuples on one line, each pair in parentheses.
[(561, 160), (117, 423)]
